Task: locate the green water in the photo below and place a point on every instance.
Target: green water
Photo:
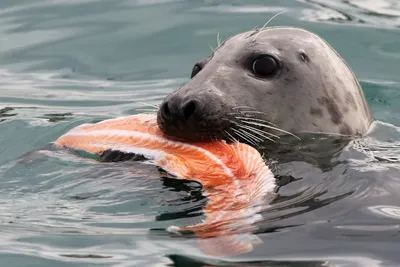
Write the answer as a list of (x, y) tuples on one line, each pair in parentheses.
[(66, 62)]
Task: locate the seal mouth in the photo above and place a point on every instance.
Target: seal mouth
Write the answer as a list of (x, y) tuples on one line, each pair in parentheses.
[(240, 124), (205, 129)]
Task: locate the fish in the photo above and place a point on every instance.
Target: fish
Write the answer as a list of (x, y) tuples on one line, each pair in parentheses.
[(234, 176)]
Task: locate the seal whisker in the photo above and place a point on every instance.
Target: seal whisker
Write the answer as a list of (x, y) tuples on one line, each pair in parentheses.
[(326, 133), (238, 107), (254, 119), (233, 139), (247, 113), (239, 134), (244, 112), (255, 28), (265, 25), (258, 132), (251, 136), (212, 49), (256, 138), (270, 127), (248, 127), (219, 42), (252, 111), (242, 135)]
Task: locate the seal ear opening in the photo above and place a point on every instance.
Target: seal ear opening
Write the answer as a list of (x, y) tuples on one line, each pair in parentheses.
[(304, 57)]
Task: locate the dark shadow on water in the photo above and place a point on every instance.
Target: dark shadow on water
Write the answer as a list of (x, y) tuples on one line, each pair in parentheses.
[(117, 156), (301, 206), (4, 113), (183, 261), (56, 117), (85, 256), (318, 150), (194, 194)]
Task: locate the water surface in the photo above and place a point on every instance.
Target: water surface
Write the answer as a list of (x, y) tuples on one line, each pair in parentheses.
[(63, 63)]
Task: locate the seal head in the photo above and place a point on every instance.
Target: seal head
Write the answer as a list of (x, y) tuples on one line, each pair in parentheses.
[(261, 84)]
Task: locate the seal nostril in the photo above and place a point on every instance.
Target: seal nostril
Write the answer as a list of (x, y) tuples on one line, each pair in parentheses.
[(189, 109), (165, 110)]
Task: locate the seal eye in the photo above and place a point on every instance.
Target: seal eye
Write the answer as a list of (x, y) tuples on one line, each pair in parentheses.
[(265, 66), (196, 69)]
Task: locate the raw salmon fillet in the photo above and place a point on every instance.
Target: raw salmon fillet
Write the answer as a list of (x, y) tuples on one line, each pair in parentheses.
[(234, 176)]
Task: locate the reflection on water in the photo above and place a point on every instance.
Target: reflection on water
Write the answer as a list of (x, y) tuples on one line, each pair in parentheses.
[(180, 261), (91, 197), (387, 211), (378, 13)]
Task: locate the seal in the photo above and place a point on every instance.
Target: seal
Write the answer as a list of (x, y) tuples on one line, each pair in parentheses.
[(262, 84)]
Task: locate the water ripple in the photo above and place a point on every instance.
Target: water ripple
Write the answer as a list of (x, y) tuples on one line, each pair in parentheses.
[(53, 97), (386, 211), (375, 13), (67, 62)]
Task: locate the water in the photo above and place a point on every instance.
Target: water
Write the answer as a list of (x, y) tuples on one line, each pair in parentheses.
[(63, 63)]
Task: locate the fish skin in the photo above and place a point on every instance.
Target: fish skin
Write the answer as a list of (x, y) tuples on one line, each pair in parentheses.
[(234, 176)]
